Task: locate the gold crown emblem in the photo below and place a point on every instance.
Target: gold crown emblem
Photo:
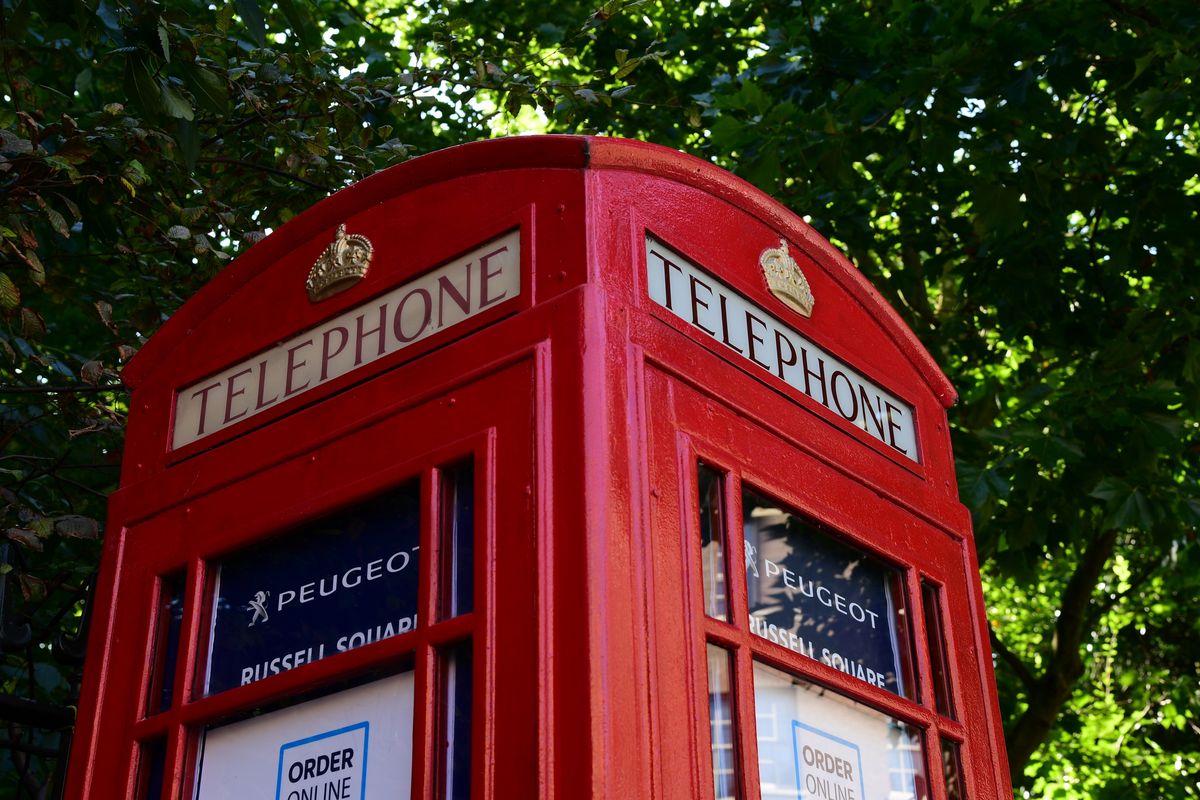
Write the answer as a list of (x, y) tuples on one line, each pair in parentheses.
[(785, 279), (343, 264)]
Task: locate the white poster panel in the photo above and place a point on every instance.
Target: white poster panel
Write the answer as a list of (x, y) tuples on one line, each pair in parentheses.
[(352, 745), (815, 744)]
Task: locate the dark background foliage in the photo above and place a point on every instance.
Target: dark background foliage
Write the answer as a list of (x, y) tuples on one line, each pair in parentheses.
[(1018, 178)]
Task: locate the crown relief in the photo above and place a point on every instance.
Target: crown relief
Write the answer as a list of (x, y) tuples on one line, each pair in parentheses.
[(785, 279), (342, 264)]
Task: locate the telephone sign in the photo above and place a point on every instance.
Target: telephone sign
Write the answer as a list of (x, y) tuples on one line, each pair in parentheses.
[(546, 467)]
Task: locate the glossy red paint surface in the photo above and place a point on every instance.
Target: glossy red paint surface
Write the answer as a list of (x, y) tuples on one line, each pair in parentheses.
[(585, 407)]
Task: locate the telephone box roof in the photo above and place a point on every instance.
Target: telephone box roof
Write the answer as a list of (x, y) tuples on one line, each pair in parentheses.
[(530, 153)]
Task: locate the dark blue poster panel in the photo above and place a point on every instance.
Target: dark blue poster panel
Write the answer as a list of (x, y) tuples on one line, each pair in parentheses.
[(342, 582), (821, 598)]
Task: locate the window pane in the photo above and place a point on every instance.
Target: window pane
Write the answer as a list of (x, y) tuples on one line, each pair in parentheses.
[(935, 637), (815, 743), (712, 542), (721, 724), (151, 769), (952, 771), (455, 771), (458, 540), (822, 598), (335, 584), (168, 626)]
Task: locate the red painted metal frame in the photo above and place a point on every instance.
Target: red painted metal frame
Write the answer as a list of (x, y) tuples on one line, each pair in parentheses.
[(585, 407)]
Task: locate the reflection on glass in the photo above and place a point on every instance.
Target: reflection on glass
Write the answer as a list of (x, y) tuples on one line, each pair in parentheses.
[(712, 542), (823, 599), (814, 743), (455, 772), (936, 638), (721, 725), (952, 770), (458, 540), (168, 626)]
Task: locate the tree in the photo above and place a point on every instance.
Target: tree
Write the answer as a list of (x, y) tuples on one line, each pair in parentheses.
[(142, 145), (1020, 180), (1018, 177)]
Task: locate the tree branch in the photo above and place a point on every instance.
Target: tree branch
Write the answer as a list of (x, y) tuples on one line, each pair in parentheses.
[(1013, 661), (112, 387), (1064, 665), (264, 168)]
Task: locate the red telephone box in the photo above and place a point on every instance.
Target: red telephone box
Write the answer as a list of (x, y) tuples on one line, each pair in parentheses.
[(550, 467)]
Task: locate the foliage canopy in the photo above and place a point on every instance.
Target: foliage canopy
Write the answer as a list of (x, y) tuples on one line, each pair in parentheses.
[(1019, 178)]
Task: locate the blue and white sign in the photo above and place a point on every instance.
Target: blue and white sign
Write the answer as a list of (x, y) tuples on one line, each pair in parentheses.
[(339, 583), (827, 766), (352, 745), (332, 764)]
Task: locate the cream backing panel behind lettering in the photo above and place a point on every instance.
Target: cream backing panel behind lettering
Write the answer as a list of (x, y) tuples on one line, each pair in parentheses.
[(437, 300), (707, 304)]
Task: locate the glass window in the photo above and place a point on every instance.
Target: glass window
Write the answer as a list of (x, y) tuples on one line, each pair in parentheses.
[(151, 769), (455, 754), (721, 724), (815, 743), (168, 627), (458, 540), (952, 770), (815, 595), (339, 583), (936, 639), (712, 542)]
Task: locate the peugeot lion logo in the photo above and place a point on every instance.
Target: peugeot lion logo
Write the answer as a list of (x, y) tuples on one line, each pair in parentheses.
[(751, 559), (259, 606)]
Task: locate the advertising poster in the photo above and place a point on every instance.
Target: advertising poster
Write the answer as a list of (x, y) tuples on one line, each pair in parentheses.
[(334, 585), (352, 745), (814, 744), (819, 597)]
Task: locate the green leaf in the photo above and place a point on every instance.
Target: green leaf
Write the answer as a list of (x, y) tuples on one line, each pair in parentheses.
[(301, 24), (25, 538), (18, 19), (979, 485), (224, 19), (1133, 511), (38, 272), (10, 295), (58, 222), (627, 67), (141, 87), (77, 527), (256, 22), (1110, 489), (164, 41), (188, 139), (83, 81), (13, 144), (175, 104), (32, 324)]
